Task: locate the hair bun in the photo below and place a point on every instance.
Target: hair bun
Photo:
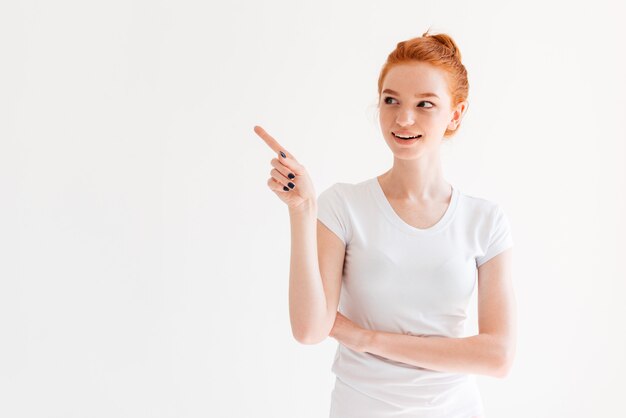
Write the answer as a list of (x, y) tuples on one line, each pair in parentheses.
[(446, 41)]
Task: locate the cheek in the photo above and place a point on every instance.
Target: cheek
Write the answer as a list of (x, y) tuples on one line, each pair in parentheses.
[(388, 118), (385, 121)]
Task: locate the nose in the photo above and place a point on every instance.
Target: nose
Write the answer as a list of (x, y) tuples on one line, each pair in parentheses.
[(405, 118)]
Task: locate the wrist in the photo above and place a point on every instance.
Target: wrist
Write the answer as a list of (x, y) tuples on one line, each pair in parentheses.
[(306, 208)]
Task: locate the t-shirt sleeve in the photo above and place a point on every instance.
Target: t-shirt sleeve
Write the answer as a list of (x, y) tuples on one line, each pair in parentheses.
[(332, 212), (500, 237)]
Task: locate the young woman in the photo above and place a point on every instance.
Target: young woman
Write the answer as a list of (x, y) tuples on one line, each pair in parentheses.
[(400, 255)]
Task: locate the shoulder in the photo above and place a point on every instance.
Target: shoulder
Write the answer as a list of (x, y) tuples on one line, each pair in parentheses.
[(479, 205), (482, 212)]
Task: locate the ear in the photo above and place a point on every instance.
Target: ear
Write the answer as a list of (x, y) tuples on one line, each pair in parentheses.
[(458, 114)]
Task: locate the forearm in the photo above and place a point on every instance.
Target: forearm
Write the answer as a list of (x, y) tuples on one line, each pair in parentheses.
[(307, 300), (479, 354)]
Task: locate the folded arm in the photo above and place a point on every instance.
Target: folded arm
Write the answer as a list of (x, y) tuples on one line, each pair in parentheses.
[(489, 353), (479, 354)]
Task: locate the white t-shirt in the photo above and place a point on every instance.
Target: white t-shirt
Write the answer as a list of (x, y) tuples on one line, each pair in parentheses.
[(401, 279)]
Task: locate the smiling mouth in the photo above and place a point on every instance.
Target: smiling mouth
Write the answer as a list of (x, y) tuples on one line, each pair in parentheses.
[(406, 138)]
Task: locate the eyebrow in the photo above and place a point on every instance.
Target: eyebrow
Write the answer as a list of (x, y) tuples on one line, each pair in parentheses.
[(417, 95)]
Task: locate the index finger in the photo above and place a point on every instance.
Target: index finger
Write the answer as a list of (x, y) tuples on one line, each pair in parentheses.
[(269, 140)]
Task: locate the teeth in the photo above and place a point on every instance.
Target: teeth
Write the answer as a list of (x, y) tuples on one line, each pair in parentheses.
[(405, 137)]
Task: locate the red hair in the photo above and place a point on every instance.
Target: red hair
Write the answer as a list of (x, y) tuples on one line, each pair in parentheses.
[(439, 50)]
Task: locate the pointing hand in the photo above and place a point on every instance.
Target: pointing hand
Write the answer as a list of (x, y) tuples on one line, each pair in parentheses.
[(289, 179)]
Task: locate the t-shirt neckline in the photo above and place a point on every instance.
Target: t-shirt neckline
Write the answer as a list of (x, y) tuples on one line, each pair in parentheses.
[(394, 218)]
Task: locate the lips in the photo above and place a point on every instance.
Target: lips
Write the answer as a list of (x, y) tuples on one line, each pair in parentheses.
[(405, 135)]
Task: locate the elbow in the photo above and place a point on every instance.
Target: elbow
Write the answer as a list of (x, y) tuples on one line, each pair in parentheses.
[(308, 340), (310, 337), (504, 364)]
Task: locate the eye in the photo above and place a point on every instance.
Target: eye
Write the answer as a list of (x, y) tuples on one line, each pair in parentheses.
[(424, 101)]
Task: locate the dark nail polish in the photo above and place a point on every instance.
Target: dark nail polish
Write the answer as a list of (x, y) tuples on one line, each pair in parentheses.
[(283, 154), (290, 184), (286, 188), (291, 176)]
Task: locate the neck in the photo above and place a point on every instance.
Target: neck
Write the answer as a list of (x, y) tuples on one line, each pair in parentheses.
[(416, 180)]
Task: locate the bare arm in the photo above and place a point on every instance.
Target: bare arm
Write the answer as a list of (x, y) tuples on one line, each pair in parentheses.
[(314, 266), (478, 354), (307, 300)]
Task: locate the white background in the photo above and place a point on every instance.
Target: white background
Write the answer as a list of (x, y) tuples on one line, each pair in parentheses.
[(144, 261)]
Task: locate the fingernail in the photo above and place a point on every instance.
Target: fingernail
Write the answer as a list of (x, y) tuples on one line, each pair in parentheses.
[(286, 188), (290, 184), (291, 176), (283, 154)]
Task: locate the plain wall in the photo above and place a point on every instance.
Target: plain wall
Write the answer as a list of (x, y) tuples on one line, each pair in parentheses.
[(144, 261)]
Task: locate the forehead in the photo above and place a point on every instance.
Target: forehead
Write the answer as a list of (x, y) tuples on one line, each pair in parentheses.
[(419, 77)]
